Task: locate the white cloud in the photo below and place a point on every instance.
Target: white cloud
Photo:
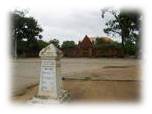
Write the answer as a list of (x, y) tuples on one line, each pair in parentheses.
[(69, 24)]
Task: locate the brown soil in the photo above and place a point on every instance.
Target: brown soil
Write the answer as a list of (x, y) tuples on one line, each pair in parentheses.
[(89, 79), (98, 91)]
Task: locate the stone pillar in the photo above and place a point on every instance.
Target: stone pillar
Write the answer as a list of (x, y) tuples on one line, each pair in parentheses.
[(50, 85)]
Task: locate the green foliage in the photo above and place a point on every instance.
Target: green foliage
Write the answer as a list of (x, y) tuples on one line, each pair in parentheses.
[(42, 44), (68, 44), (99, 42), (130, 48), (109, 46), (55, 42), (24, 27), (24, 33), (127, 25)]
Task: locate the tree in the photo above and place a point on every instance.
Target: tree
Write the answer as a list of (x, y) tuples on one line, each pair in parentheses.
[(24, 33), (99, 42), (42, 44), (130, 48), (126, 24), (68, 44), (55, 42)]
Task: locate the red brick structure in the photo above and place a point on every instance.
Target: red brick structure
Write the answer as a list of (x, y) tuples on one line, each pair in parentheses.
[(86, 48)]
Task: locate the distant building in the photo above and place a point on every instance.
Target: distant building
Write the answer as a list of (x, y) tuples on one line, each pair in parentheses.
[(86, 48)]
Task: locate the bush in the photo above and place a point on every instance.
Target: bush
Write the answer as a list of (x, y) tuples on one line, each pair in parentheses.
[(68, 44)]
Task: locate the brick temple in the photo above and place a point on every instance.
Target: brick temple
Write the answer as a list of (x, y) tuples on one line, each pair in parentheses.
[(86, 48)]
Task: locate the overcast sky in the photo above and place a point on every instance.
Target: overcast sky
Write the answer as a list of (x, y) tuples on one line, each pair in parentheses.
[(69, 19), (69, 24)]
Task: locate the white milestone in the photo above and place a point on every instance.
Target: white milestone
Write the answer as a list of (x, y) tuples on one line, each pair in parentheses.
[(50, 86)]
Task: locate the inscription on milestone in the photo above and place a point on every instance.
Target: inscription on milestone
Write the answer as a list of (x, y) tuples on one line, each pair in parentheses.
[(48, 78), (48, 62)]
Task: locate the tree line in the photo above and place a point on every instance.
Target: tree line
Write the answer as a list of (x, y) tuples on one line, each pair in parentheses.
[(26, 38)]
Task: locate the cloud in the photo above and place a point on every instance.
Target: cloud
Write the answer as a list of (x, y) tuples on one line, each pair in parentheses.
[(69, 24)]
